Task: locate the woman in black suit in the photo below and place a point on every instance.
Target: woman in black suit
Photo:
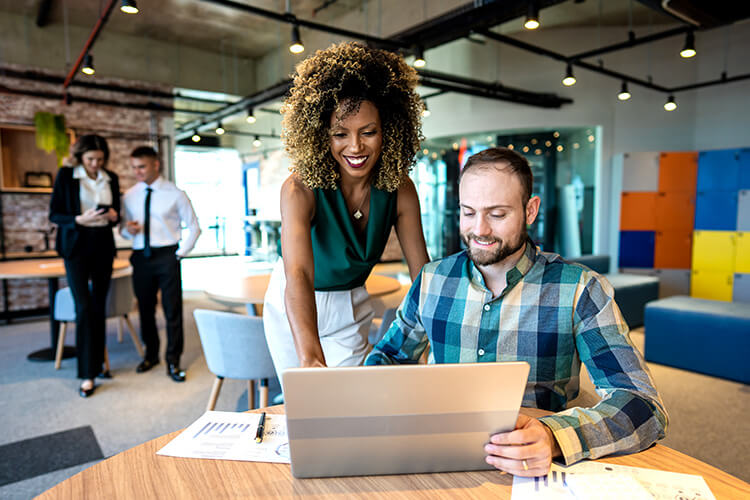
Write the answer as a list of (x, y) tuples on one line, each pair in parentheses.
[(85, 205)]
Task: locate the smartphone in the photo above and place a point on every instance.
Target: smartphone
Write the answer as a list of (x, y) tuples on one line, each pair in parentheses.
[(106, 208)]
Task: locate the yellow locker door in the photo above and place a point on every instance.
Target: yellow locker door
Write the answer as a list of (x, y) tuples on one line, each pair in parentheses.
[(742, 254), (711, 285), (714, 250)]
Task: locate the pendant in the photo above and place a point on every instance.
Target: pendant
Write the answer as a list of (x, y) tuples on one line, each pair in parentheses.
[(357, 215)]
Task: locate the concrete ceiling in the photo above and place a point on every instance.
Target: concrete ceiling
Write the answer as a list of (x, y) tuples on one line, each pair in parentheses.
[(221, 29)]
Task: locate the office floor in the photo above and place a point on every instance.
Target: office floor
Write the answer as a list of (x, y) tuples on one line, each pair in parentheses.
[(708, 415)]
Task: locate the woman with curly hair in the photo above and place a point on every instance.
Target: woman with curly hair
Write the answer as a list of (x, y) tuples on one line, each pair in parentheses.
[(352, 130)]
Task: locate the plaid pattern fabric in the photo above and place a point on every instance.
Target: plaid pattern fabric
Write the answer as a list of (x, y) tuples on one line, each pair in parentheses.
[(553, 314)]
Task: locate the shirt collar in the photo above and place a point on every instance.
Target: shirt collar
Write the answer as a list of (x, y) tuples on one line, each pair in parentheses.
[(155, 186), (80, 173), (514, 275)]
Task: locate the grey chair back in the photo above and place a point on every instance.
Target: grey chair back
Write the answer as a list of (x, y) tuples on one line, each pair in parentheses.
[(120, 299), (234, 345)]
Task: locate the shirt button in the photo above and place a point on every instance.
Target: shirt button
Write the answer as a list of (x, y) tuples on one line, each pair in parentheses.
[(481, 352), (486, 307)]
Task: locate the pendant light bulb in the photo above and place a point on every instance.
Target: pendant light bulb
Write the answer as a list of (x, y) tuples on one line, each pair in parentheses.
[(257, 142), (532, 15), (196, 136), (670, 105), (569, 79), (219, 129), (688, 50), (129, 7), (296, 46), (419, 61), (425, 111), (88, 65), (251, 116), (624, 94)]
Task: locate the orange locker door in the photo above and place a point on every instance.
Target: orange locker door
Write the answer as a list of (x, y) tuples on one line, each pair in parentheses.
[(638, 212), (672, 249), (678, 171), (675, 210)]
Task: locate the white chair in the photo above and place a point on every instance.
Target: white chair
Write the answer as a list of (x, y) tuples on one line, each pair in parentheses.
[(235, 347), (119, 303)]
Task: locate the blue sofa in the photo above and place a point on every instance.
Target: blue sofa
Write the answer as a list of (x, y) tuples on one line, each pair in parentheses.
[(706, 336)]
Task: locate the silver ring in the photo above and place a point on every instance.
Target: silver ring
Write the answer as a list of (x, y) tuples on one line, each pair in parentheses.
[(525, 465)]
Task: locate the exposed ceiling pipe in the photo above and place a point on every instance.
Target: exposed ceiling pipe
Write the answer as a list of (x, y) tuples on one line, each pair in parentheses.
[(89, 43), (293, 20)]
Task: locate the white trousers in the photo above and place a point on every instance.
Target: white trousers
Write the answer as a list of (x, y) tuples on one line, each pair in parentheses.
[(344, 319)]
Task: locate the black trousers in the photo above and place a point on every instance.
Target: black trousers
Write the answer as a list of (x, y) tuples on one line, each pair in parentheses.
[(161, 271), (92, 262)]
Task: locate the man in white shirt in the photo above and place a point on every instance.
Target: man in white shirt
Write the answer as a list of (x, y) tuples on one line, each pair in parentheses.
[(154, 212)]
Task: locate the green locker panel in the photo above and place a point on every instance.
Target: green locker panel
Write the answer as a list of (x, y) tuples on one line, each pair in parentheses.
[(712, 285), (714, 251), (742, 253)]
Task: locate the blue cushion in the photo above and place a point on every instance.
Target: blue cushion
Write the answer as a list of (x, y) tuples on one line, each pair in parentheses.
[(706, 336)]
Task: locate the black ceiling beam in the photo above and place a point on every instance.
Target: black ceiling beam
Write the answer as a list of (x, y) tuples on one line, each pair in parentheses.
[(633, 42), (42, 14), (293, 20), (722, 79), (268, 94), (491, 93), (462, 21)]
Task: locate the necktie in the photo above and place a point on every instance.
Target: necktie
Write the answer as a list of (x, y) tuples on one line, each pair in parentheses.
[(147, 225)]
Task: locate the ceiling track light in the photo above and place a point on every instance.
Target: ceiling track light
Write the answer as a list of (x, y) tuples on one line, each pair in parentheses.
[(419, 61), (129, 7), (569, 79), (196, 136), (219, 129), (88, 65), (532, 15), (257, 142), (251, 116), (425, 110), (624, 94), (688, 50), (670, 105), (296, 47)]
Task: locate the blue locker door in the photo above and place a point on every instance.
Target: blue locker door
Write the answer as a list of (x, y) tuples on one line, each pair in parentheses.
[(718, 170), (637, 248), (744, 169), (716, 210)]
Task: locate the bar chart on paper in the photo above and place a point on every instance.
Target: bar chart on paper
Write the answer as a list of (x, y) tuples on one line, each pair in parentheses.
[(221, 435)]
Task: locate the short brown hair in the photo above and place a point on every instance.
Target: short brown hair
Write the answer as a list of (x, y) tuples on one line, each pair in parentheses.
[(142, 151), (514, 162), (90, 142)]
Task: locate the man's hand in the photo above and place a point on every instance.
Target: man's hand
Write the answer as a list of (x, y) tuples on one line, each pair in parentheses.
[(111, 215), (133, 227), (530, 443), (313, 363)]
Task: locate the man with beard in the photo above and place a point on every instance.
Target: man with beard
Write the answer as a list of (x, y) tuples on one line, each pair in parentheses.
[(503, 299)]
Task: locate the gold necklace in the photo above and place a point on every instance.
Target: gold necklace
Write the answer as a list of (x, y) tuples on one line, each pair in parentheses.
[(357, 214)]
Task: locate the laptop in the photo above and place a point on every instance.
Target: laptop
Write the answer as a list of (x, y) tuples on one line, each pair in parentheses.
[(368, 420)]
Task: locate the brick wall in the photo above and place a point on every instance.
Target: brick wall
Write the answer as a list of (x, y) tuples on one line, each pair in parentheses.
[(24, 215)]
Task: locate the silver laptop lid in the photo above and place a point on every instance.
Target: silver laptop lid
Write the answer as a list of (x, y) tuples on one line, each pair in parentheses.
[(398, 419)]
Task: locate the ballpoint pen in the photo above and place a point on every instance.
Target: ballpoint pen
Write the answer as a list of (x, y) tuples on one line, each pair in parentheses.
[(261, 424)]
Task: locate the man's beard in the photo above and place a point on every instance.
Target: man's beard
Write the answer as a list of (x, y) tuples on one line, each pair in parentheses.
[(501, 252)]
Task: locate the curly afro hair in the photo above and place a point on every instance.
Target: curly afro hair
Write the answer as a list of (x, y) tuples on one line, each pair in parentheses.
[(341, 77)]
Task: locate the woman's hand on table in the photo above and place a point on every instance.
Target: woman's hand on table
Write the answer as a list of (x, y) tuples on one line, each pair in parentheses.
[(527, 450)]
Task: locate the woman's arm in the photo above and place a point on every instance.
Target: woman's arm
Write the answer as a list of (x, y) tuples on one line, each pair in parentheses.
[(409, 229), (58, 212), (297, 209)]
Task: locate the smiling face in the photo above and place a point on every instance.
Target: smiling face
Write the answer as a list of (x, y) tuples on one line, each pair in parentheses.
[(357, 140), (493, 216), (92, 161), (145, 168)]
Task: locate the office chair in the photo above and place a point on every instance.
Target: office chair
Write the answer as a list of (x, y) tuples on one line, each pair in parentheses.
[(235, 347)]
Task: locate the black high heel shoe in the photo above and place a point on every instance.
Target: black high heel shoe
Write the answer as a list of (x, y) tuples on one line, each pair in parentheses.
[(84, 393)]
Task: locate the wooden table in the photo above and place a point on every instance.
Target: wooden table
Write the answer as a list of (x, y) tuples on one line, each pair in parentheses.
[(140, 473), (252, 289), (52, 270)]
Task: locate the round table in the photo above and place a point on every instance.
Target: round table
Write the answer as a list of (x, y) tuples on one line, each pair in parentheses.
[(52, 270), (252, 289)]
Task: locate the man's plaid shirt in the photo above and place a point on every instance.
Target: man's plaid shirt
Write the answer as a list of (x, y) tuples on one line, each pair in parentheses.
[(553, 314)]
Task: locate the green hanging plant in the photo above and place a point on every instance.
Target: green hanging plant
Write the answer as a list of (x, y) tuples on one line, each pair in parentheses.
[(51, 134)]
